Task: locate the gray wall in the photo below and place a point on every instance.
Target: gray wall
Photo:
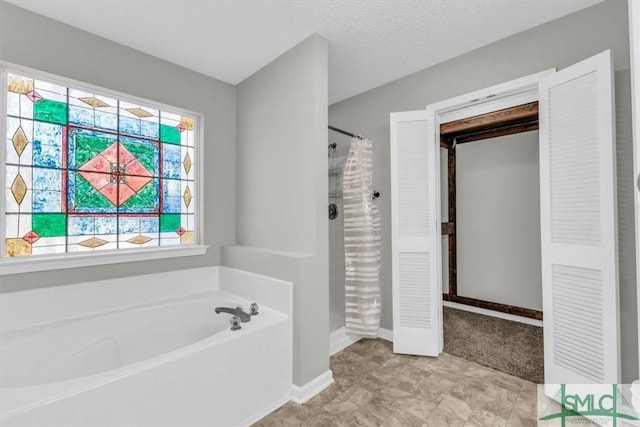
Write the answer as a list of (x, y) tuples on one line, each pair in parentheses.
[(498, 220), (34, 41), (282, 225), (557, 44)]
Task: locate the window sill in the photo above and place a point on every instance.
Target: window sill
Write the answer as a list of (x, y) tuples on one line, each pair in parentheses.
[(57, 262)]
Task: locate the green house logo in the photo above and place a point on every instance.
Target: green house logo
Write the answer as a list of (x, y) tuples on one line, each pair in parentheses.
[(602, 404)]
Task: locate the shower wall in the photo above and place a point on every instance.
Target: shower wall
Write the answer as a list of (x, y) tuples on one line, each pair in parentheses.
[(336, 242)]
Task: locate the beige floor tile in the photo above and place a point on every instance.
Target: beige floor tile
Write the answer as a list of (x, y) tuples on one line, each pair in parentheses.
[(498, 401), (469, 390), (436, 387), (521, 418), (349, 401), (442, 418), (456, 407), (484, 418), (401, 418), (322, 419), (419, 407), (375, 387), (325, 397), (382, 407), (479, 371), (360, 418), (506, 381)]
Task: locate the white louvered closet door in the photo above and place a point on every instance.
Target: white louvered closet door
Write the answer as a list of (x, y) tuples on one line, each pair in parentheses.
[(578, 224), (415, 232)]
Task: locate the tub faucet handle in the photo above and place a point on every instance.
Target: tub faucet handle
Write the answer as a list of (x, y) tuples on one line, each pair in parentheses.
[(254, 309), (235, 323)]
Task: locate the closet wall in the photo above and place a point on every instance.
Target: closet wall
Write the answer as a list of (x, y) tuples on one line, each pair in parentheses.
[(557, 44), (498, 220)]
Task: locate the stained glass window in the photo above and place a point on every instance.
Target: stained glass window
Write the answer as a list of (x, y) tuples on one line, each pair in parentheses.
[(89, 172)]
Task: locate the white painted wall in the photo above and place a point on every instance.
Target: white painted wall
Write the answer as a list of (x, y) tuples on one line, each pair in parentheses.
[(498, 220), (282, 223)]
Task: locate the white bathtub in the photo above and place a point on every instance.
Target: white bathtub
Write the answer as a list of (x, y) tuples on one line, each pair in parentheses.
[(103, 354)]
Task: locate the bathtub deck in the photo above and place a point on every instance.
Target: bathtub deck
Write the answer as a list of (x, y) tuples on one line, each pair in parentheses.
[(374, 387)]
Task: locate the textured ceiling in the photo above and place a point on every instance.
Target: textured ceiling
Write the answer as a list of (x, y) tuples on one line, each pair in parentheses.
[(371, 42)]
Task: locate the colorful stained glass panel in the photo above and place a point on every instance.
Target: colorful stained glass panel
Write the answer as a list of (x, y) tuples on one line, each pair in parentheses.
[(88, 172)]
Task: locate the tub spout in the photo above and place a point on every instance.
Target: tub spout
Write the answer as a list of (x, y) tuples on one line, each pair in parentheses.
[(238, 311)]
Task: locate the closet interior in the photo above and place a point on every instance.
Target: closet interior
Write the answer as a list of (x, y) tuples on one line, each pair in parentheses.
[(490, 211)]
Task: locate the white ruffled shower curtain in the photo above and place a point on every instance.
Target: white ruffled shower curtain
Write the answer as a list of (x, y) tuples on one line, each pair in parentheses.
[(361, 242)]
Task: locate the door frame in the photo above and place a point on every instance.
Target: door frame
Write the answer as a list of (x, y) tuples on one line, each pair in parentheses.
[(516, 92), (634, 46)]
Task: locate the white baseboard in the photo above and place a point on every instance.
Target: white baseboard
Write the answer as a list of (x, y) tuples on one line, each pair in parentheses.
[(310, 389), (339, 340), (385, 334), (498, 314)]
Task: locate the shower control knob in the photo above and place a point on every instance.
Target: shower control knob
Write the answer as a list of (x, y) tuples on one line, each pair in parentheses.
[(235, 323), (254, 309)]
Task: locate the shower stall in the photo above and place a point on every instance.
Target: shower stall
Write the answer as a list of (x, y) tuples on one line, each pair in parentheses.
[(354, 237)]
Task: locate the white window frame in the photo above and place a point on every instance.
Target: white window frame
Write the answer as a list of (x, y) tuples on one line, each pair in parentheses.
[(16, 265)]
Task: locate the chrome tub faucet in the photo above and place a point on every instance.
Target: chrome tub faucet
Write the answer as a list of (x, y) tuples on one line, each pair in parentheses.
[(238, 311)]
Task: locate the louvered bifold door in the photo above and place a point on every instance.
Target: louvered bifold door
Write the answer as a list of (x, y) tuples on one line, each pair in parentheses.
[(415, 234), (578, 224)]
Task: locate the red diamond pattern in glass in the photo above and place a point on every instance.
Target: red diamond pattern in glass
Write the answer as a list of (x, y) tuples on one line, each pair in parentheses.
[(112, 166)]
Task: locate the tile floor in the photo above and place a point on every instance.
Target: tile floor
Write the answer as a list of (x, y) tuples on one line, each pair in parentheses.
[(374, 387)]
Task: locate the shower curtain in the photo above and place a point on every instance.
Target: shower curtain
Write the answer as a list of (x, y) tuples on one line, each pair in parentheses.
[(361, 242)]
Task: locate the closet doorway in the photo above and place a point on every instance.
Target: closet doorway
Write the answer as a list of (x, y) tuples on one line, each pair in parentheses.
[(490, 198), (577, 194), (490, 189)]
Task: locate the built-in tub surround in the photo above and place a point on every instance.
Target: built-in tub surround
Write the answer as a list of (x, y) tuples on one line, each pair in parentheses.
[(147, 350)]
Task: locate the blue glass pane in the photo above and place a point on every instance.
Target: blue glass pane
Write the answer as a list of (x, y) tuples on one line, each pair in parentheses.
[(47, 145), (129, 125), (89, 225), (106, 225), (47, 201), (80, 225), (171, 197), (47, 133), (171, 161), (47, 190), (106, 120), (81, 116), (47, 179), (149, 129), (139, 225)]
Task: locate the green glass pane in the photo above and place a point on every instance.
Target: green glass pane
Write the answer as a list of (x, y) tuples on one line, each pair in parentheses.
[(88, 197), (46, 110), (49, 225), (169, 222), (169, 134), (145, 198), (146, 154), (89, 146)]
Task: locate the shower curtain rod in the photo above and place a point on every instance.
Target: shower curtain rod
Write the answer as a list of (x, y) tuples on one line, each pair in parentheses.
[(344, 132)]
